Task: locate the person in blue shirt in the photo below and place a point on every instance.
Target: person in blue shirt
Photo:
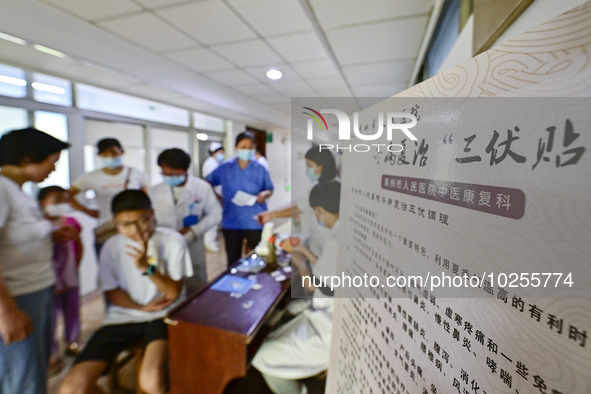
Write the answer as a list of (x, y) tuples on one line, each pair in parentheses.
[(246, 186)]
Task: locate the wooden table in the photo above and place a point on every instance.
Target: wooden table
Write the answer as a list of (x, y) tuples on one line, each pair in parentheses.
[(212, 336)]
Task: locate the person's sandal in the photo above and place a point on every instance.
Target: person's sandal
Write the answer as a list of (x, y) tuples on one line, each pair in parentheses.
[(73, 350)]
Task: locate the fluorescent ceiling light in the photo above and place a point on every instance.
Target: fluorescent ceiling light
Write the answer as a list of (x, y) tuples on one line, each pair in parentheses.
[(13, 80), (14, 39), (274, 74), (49, 51), (202, 136), (48, 88)]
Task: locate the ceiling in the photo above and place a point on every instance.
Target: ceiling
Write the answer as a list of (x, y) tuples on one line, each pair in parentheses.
[(212, 55)]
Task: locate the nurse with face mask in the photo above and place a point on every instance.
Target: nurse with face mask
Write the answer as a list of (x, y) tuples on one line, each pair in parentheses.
[(246, 186), (320, 168)]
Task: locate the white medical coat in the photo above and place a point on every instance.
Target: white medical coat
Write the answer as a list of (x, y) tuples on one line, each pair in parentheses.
[(301, 347), (209, 165), (317, 235), (173, 204)]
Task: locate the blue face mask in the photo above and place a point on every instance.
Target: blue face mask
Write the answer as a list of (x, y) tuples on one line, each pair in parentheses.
[(311, 174), (219, 157), (246, 154), (112, 162), (173, 180), (319, 221)]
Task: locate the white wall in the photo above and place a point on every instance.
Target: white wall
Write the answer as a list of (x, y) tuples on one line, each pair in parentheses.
[(233, 129), (279, 158), (300, 182)]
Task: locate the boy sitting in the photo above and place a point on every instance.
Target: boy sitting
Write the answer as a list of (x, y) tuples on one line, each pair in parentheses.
[(141, 272)]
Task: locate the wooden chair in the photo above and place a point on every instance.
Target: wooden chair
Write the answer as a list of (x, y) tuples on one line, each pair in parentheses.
[(134, 352)]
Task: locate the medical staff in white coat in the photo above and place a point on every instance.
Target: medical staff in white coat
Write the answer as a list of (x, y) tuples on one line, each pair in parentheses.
[(186, 204), (216, 156), (300, 348), (320, 167)]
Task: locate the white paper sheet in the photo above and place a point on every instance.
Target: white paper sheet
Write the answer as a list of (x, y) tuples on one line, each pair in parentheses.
[(244, 199)]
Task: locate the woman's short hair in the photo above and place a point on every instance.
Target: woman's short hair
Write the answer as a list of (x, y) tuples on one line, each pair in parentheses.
[(243, 135), (130, 200), (18, 145), (325, 159), (175, 158), (326, 195)]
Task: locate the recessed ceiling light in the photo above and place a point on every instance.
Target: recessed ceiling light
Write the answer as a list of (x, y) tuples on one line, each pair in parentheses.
[(274, 74), (202, 136)]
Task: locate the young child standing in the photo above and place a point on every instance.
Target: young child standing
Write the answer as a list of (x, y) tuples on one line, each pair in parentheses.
[(55, 202)]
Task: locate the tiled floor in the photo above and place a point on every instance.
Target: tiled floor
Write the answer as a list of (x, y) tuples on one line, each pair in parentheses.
[(92, 311)]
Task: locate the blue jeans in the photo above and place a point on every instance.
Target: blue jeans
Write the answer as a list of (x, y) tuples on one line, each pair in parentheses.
[(23, 364)]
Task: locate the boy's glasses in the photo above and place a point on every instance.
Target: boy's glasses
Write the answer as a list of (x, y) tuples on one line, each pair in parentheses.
[(142, 222)]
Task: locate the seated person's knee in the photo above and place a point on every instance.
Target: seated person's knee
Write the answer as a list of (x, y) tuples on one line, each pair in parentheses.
[(152, 382), (74, 384)]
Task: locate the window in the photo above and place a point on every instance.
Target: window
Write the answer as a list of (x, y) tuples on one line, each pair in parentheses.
[(13, 81), (52, 90), (445, 35), (12, 119), (56, 125)]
